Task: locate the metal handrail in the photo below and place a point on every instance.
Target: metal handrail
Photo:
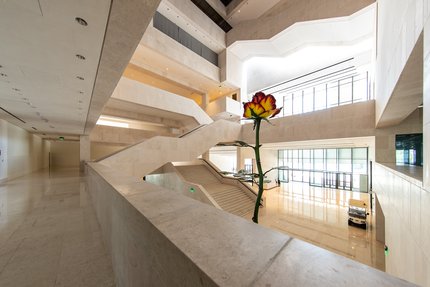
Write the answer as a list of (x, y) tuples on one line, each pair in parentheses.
[(192, 130)]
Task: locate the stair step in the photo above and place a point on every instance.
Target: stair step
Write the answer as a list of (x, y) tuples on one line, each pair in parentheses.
[(229, 197)]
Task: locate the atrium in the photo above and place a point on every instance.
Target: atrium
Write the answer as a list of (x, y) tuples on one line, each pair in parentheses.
[(119, 162)]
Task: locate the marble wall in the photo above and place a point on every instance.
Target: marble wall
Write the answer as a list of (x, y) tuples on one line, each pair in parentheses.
[(20, 151), (405, 205), (353, 120), (65, 154), (400, 23), (426, 106)]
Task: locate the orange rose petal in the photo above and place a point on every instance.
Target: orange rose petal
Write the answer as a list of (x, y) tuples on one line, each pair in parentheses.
[(258, 97), (268, 103), (277, 111)]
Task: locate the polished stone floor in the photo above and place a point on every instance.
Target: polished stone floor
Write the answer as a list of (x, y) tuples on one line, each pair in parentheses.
[(49, 234), (319, 216)]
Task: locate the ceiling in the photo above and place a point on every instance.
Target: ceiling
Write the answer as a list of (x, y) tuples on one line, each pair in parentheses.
[(49, 62), (248, 10)]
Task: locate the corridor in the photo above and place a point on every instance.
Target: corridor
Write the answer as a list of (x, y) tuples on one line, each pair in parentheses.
[(49, 234)]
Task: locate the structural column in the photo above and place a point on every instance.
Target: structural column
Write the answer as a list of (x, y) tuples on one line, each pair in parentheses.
[(84, 152), (204, 105)]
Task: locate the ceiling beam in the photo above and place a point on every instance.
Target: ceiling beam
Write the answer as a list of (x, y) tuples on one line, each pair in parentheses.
[(128, 20)]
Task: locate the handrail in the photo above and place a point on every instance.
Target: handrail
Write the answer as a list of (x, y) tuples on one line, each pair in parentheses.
[(129, 146), (231, 178), (201, 187), (192, 130), (120, 150)]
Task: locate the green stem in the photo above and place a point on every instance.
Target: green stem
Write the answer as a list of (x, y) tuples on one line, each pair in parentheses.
[(260, 171)]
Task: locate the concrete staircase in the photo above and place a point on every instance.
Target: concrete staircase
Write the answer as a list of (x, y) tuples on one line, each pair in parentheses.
[(143, 158), (229, 197)]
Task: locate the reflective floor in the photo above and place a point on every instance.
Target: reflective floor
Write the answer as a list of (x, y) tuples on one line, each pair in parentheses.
[(319, 216), (49, 234)]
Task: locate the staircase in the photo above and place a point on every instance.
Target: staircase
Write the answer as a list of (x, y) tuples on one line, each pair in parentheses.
[(143, 158), (229, 197)]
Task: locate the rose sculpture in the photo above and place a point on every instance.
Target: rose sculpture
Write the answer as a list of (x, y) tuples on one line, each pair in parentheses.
[(261, 107)]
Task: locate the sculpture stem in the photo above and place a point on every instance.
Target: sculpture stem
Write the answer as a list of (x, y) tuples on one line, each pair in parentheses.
[(260, 171)]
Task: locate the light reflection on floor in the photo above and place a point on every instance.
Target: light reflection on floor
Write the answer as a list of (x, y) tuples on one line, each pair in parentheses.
[(319, 216)]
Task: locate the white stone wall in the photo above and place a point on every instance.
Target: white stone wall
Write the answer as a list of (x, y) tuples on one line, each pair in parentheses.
[(407, 230), (20, 151), (400, 23), (354, 120), (65, 154), (426, 107)]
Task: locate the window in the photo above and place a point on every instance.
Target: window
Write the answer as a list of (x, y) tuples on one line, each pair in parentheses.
[(345, 91), (312, 165), (323, 92), (332, 94), (320, 97), (297, 103), (308, 100)]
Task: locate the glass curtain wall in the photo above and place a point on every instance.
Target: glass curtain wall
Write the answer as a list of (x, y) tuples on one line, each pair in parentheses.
[(333, 93), (314, 165)]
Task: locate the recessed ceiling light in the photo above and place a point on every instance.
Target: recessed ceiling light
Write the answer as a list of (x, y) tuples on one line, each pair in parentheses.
[(80, 78), (81, 92), (52, 127), (81, 21), (3, 75), (80, 102), (80, 57), (1, 66), (16, 90)]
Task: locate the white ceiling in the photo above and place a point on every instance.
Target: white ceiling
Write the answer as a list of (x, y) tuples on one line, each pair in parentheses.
[(248, 10), (40, 41)]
